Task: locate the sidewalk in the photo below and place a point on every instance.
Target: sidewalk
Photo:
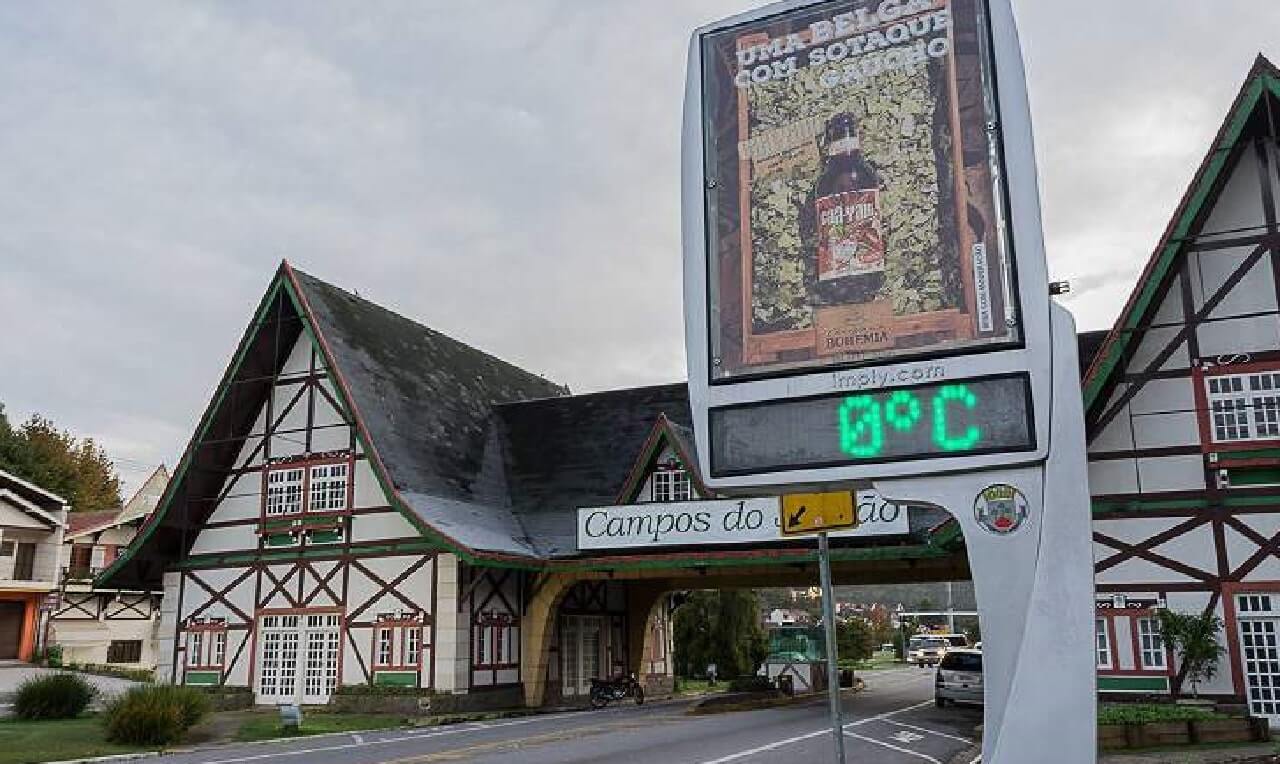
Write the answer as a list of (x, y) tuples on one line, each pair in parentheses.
[(1259, 753)]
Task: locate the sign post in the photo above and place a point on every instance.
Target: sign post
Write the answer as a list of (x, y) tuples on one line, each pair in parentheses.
[(829, 627), (802, 513)]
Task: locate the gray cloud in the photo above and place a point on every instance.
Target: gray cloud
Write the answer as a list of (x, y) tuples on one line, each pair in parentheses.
[(505, 172)]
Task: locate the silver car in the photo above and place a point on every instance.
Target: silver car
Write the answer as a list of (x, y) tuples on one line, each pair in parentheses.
[(959, 678)]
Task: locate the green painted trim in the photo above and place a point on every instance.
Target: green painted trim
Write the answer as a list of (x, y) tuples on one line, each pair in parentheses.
[(1225, 457), (202, 678), (281, 539), (324, 537), (1133, 684), (857, 554), (1147, 505), (206, 420), (1263, 476), (1212, 170), (395, 678)]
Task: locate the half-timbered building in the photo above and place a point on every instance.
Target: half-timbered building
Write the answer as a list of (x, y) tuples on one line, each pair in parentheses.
[(366, 501), (97, 625), (1183, 415)]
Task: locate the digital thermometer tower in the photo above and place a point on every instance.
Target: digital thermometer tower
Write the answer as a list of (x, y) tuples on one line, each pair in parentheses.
[(867, 303)]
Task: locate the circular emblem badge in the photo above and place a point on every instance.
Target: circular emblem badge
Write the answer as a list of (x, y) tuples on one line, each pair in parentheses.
[(1000, 508)]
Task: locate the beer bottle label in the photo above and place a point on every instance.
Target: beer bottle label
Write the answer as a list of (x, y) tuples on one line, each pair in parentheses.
[(849, 239)]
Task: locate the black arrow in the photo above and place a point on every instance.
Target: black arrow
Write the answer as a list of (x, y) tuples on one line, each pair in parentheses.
[(794, 520)]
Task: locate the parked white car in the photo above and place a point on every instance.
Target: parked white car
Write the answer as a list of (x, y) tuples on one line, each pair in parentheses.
[(959, 678)]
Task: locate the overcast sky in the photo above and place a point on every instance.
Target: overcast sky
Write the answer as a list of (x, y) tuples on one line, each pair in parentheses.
[(505, 172)]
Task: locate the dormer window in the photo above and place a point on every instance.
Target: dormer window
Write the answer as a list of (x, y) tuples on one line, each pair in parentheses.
[(671, 483)]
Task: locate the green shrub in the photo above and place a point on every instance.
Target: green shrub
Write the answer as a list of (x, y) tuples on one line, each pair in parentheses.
[(154, 715), (53, 696), (1139, 713), (53, 656)]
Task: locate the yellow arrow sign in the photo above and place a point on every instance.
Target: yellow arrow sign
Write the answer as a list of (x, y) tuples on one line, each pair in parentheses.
[(813, 512)]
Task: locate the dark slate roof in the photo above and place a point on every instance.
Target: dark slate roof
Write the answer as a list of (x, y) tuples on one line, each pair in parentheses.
[(426, 400), (566, 453), (1089, 343)]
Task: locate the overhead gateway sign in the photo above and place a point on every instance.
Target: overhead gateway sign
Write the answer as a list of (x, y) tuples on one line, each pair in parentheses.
[(717, 522), (864, 269)]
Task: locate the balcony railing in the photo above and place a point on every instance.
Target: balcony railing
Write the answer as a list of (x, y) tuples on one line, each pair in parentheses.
[(79, 574)]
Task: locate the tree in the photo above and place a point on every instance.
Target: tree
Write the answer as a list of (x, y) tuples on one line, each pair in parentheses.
[(1194, 638), (78, 470), (855, 640), (720, 627)]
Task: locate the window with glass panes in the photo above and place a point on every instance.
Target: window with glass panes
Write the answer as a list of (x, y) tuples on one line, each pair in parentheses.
[(497, 638), (1150, 644), (397, 643), (206, 645), (328, 487), (1244, 407), (671, 484), (284, 491), (1102, 643)]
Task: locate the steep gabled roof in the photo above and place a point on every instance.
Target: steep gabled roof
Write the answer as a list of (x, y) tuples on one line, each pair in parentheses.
[(1262, 83), (420, 401)]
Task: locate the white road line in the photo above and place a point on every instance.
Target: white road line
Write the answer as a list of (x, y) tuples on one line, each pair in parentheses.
[(976, 759), (769, 747), (930, 731), (907, 751), (788, 741), (479, 727)]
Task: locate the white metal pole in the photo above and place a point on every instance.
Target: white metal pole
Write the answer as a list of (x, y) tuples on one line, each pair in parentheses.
[(829, 626)]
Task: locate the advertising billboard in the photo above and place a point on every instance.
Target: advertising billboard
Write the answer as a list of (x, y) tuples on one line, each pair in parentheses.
[(855, 206), (865, 285)]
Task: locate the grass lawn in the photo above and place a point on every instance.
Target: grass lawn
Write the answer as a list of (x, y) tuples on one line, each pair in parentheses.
[(23, 742), (266, 726)]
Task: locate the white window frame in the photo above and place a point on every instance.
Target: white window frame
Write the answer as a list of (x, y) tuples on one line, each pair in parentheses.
[(327, 486), (1102, 643), (285, 490), (195, 649), (1150, 643), (671, 485), (386, 655), (1243, 407)]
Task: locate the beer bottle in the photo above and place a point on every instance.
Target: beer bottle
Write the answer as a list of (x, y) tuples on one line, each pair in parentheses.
[(841, 222)]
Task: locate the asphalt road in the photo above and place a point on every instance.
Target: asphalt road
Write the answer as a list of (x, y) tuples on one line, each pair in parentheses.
[(894, 720)]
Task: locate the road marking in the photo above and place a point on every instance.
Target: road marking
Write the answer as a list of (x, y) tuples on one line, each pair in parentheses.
[(904, 736), (478, 727), (930, 731), (907, 751), (826, 731), (976, 759), (358, 738)]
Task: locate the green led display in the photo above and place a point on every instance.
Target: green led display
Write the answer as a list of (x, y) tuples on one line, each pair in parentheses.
[(939, 420), (862, 420)]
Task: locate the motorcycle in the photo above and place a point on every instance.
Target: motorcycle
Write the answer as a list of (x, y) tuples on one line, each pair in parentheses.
[(606, 691)]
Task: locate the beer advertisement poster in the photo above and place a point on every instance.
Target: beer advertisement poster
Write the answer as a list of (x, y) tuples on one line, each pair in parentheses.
[(854, 198)]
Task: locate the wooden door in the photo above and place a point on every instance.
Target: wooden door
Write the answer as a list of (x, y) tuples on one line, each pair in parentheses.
[(11, 617)]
